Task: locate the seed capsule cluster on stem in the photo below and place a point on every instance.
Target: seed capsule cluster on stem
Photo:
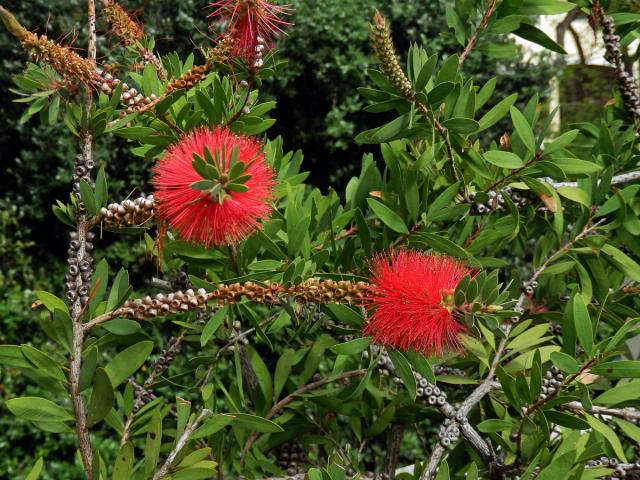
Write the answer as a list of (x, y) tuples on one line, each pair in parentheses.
[(128, 212), (78, 278)]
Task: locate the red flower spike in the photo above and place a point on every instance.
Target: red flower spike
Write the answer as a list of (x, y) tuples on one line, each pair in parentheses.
[(252, 25), (196, 215), (411, 302)]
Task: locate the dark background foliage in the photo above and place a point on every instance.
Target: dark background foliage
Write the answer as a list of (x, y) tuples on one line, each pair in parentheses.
[(319, 111)]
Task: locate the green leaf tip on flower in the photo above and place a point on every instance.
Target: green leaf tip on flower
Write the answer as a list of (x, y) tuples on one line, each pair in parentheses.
[(221, 174)]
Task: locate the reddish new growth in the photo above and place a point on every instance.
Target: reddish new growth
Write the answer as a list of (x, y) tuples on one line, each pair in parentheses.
[(411, 302), (252, 25), (231, 213)]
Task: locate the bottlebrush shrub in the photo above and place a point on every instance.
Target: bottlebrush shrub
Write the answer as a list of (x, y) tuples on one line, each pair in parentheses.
[(461, 310)]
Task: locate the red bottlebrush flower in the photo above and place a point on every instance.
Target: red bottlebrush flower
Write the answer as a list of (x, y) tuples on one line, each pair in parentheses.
[(221, 212), (411, 302), (252, 25)]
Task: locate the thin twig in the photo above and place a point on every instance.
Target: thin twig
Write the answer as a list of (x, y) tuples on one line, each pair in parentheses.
[(513, 173), (430, 116), (181, 444), (630, 414), (616, 180), (481, 26), (292, 396), (542, 400), (174, 345)]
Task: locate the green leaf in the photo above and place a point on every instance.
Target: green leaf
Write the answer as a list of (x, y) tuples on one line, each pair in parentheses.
[(444, 245), (195, 457), (345, 314), (404, 371), (528, 338), (89, 362), (523, 129), (101, 193), (576, 194), (545, 7), (425, 73), (609, 435), (395, 129), (562, 141), (535, 35), (449, 70), (618, 369), (127, 362), (51, 302), (12, 356), (503, 159), (255, 424), (582, 323), (495, 425), (620, 334), (443, 200), (212, 325), (88, 197), (439, 93), (122, 326), (524, 361), (203, 185), (565, 362), (623, 392), (497, 112), (566, 420), (351, 347), (461, 125), (153, 443), (119, 290), (124, 463), (43, 362), (388, 216), (36, 409), (559, 468), (624, 263), (36, 470), (282, 372), (212, 424), (297, 228), (102, 398), (573, 166), (443, 471), (99, 284)]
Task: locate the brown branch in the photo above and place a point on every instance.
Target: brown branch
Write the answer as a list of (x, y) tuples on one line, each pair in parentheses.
[(409, 234), (77, 307), (396, 434), (434, 462), (481, 26), (292, 396)]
